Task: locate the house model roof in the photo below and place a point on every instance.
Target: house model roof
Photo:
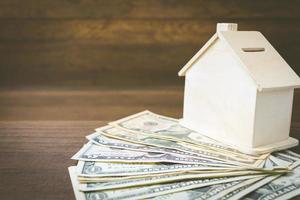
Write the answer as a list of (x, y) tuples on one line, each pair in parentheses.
[(255, 54)]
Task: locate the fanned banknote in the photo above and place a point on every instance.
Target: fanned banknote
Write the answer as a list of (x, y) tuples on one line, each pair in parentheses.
[(212, 192), (159, 179), (168, 128), (149, 191), (101, 169), (92, 152), (283, 187), (292, 158), (110, 180), (103, 140), (178, 146), (150, 156)]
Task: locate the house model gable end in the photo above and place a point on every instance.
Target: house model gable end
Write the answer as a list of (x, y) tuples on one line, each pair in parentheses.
[(260, 59), (190, 63), (220, 27), (255, 54)]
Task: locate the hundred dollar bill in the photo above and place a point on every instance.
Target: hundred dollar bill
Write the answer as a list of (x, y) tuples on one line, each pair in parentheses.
[(278, 163), (92, 152), (91, 179), (283, 156), (274, 163), (149, 191), (158, 179), (83, 179), (160, 126), (243, 160), (211, 174), (103, 172), (101, 139), (105, 169), (283, 187), (99, 171), (212, 192), (120, 134), (269, 163), (287, 157), (245, 189), (290, 154)]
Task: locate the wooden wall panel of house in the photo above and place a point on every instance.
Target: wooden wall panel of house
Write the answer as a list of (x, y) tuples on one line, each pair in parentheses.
[(125, 43)]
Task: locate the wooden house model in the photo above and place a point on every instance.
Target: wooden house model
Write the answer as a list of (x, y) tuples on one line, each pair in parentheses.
[(239, 91)]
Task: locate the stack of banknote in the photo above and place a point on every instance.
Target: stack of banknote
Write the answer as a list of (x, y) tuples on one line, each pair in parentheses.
[(150, 156)]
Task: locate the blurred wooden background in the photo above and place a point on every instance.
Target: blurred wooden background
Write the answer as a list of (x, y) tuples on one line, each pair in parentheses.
[(66, 59), (69, 66)]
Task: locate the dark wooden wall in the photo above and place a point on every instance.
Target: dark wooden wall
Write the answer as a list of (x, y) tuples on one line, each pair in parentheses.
[(69, 66), (126, 43)]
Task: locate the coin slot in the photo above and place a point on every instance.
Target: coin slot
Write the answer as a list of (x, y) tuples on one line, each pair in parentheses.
[(254, 49)]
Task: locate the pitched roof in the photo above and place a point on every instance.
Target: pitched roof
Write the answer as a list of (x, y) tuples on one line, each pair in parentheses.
[(256, 55)]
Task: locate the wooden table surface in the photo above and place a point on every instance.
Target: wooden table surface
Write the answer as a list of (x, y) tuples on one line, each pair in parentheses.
[(35, 157), (39, 132)]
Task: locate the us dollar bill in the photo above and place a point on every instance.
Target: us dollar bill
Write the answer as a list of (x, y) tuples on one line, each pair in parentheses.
[(83, 179), (283, 187), (95, 179), (246, 189), (149, 191), (212, 192), (121, 134), (92, 152), (101, 139), (160, 126), (287, 157), (251, 190), (105, 169), (158, 179), (89, 173), (99, 171)]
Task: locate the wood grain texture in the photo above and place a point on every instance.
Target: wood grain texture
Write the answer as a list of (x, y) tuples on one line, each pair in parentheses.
[(100, 105), (110, 43), (144, 9), (35, 153), (34, 157), (97, 61), (113, 53), (136, 31), (90, 65)]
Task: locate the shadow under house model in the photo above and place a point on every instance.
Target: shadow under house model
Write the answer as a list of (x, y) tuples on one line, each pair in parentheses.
[(239, 90)]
